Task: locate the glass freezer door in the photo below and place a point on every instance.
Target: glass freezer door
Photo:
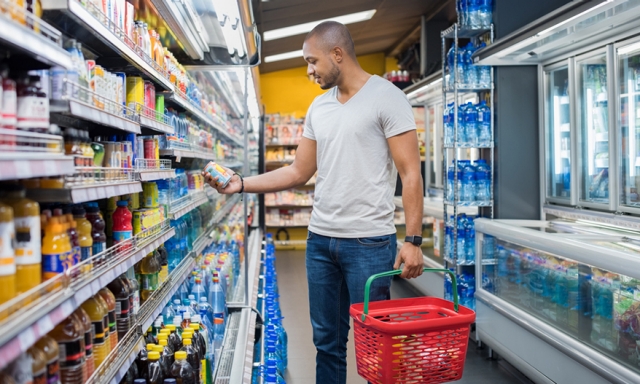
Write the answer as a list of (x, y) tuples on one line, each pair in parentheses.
[(558, 133), (629, 91), (594, 128)]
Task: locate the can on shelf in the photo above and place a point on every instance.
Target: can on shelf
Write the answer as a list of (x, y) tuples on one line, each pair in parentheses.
[(216, 170), (135, 93), (150, 195)]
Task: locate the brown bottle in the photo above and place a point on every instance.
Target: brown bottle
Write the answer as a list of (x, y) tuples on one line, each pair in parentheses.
[(70, 337), (51, 352), (38, 365), (89, 358), (120, 290), (110, 302)]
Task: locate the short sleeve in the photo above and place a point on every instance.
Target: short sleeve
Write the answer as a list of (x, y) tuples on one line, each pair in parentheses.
[(308, 129), (396, 114)]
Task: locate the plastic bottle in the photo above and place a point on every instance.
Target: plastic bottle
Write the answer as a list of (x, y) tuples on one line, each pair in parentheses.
[(69, 335), (471, 124), (122, 228), (26, 219), (450, 66), (166, 357), (200, 339), (84, 228), (142, 362), (97, 313), (174, 338), (198, 290), (483, 181), (470, 242), (134, 294), (192, 356), (485, 13), (109, 300), (7, 256), (218, 334), (87, 327), (484, 71), (72, 232), (155, 369), (56, 250), (97, 230), (168, 313), (461, 255), (38, 365), (49, 347), (460, 132), (149, 270), (163, 259), (182, 370), (120, 290), (467, 193), (217, 298), (484, 124), (205, 310)]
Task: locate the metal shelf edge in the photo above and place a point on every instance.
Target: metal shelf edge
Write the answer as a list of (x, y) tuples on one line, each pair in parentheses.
[(42, 167)]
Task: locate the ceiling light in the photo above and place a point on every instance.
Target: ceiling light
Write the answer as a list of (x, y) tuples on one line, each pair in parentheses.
[(307, 27), (283, 56)]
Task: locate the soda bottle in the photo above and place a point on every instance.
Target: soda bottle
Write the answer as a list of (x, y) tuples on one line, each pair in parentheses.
[(200, 341), (193, 357), (51, 352), (85, 239), (109, 301), (7, 257), (174, 338), (166, 357), (163, 259), (38, 365), (134, 295), (182, 370), (97, 230), (122, 217), (70, 337), (142, 362), (120, 290), (87, 326), (26, 219), (72, 232), (97, 314), (217, 298), (56, 250)]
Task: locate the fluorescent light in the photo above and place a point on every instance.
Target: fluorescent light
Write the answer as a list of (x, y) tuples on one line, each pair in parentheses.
[(283, 56), (307, 27), (628, 49)]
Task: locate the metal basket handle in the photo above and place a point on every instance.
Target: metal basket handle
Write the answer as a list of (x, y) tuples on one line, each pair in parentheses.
[(367, 286)]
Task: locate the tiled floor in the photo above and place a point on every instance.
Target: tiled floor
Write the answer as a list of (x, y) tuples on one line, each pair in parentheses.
[(292, 282)]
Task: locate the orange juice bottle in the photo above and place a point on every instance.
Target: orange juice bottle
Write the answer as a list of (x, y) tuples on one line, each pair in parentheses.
[(70, 337), (51, 352), (38, 365), (105, 322), (110, 301), (56, 249), (26, 219), (84, 233), (87, 326), (7, 260), (97, 313)]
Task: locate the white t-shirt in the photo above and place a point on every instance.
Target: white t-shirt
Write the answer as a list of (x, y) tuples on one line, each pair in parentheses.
[(356, 175)]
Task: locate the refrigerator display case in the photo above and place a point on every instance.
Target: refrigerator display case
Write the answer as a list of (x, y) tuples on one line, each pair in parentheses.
[(629, 116), (562, 298)]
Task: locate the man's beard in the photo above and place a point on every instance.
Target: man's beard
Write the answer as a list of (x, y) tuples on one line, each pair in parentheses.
[(331, 79)]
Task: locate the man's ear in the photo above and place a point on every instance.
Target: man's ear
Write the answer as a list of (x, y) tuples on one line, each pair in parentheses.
[(338, 54)]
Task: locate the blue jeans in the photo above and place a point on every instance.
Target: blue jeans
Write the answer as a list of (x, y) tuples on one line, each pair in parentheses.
[(337, 270)]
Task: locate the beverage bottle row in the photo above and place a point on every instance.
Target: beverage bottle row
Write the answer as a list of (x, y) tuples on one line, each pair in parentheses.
[(463, 236), (473, 182), (466, 285), (474, 125), (466, 74), (475, 14)]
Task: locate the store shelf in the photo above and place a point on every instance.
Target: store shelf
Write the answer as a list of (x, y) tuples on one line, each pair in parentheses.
[(467, 145), (74, 19), (54, 300), (84, 193), (156, 125), (179, 154), (207, 237), (44, 46), (88, 112), (463, 32), (433, 207), (193, 109), (159, 174), (288, 206), (466, 264), (468, 203), (182, 207), (20, 165), (290, 243), (467, 88)]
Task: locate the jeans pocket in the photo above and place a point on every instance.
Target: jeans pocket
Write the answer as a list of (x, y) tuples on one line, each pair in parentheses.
[(377, 241), (309, 235)]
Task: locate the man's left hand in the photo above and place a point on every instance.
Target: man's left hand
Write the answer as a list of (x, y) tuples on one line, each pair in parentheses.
[(411, 257)]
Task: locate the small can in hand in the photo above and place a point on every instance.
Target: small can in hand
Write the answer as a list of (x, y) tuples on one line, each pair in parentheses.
[(217, 171)]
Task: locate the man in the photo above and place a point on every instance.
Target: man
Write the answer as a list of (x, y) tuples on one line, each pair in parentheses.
[(353, 135)]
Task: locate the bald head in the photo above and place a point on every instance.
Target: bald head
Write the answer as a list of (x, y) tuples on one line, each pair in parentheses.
[(331, 34)]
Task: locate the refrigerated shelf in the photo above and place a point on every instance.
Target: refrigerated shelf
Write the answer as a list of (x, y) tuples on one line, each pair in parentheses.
[(54, 300), (18, 165), (84, 193), (194, 201)]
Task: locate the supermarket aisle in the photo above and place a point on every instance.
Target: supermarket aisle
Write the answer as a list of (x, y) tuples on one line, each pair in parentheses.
[(295, 309)]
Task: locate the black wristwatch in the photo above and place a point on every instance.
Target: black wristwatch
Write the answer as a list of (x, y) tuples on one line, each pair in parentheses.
[(415, 240)]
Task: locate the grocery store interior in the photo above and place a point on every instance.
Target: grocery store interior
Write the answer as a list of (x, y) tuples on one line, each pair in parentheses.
[(119, 263)]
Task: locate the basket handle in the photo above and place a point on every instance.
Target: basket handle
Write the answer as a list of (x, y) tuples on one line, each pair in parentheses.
[(367, 286)]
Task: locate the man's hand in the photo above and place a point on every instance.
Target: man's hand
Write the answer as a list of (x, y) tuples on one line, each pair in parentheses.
[(234, 185), (411, 256)]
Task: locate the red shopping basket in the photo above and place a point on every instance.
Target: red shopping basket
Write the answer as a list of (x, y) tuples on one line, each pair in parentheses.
[(411, 341)]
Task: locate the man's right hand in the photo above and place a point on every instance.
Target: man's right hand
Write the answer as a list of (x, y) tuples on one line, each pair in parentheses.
[(234, 185)]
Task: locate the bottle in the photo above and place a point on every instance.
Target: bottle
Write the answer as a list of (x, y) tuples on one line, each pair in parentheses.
[(182, 370), (468, 183), (120, 290), (49, 347), (26, 219), (155, 369), (163, 259), (192, 357), (484, 124), (97, 230), (168, 313), (485, 13), (69, 335), (122, 228), (461, 255), (97, 314), (87, 327), (460, 134), (134, 296), (205, 310), (470, 242), (470, 70), (199, 339), (72, 232), (56, 250), (85, 239), (7, 257), (142, 362), (218, 335), (198, 290), (217, 298), (483, 181), (9, 103), (38, 365), (484, 71), (148, 281), (471, 124), (174, 339), (108, 302), (450, 182), (166, 357)]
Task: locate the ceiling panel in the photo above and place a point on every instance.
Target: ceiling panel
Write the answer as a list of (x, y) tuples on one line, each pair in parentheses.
[(393, 22)]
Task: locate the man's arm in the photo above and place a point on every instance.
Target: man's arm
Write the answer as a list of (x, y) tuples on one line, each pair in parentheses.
[(406, 156), (297, 174)]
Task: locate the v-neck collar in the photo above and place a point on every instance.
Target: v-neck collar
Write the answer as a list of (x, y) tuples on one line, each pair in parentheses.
[(335, 96)]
